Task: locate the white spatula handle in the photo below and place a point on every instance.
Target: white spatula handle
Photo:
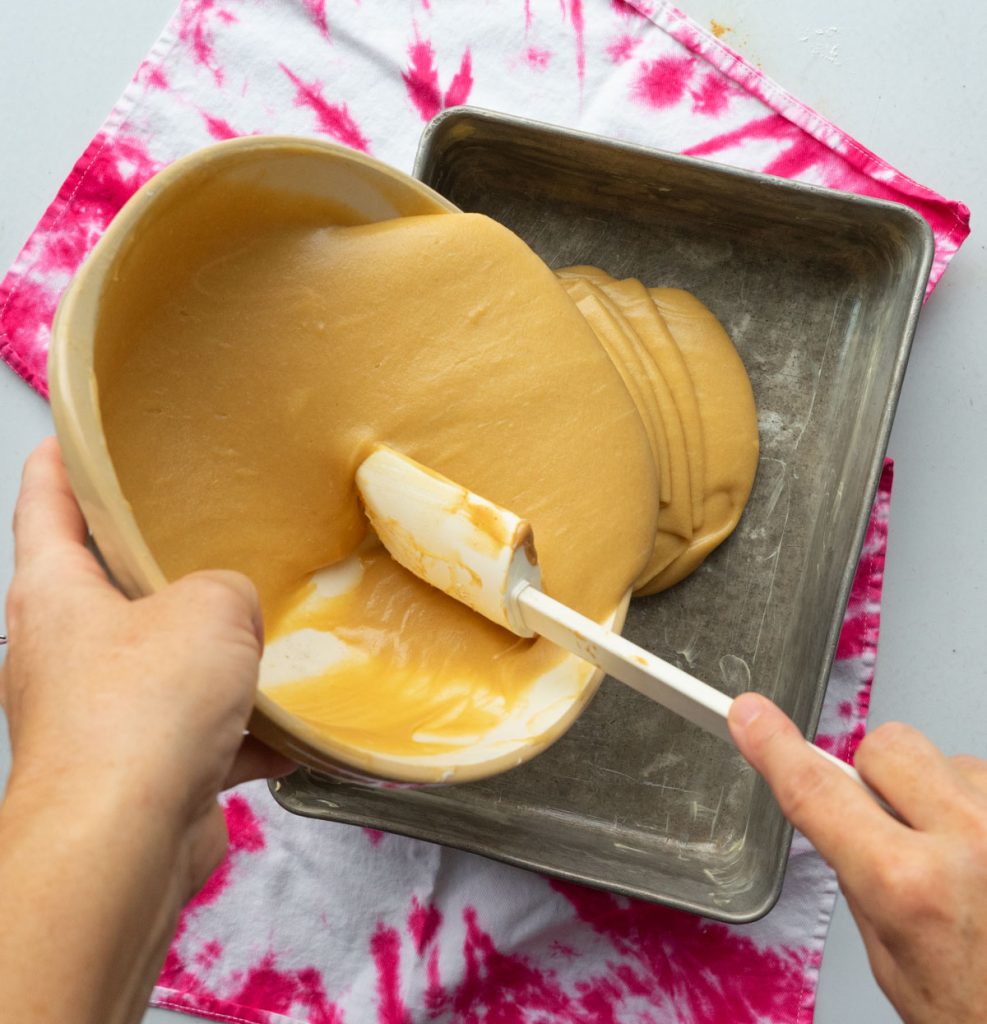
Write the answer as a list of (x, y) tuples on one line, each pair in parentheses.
[(483, 555), (640, 669)]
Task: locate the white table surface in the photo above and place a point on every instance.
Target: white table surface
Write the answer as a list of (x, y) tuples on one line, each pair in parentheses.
[(910, 82)]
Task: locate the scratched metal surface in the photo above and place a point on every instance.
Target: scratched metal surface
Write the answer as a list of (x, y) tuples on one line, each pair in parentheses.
[(820, 293)]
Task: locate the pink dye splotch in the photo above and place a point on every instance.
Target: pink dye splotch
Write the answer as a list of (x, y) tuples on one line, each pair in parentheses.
[(462, 82), (196, 30), (423, 924), (209, 954), (537, 58), (436, 997), (253, 995), (625, 10), (863, 618), (242, 825), (333, 119), (385, 948), (527, 15), (152, 75), (621, 49), (855, 637), (284, 991), (858, 637), (669, 80), (712, 96), (772, 126), (27, 308), (421, 80), (707, 971), (578, 22), (662, 82), (801, 153), (853, 719), (489, 973), (102, 180), (108, 174), (374, 836), (317, 12), (219, 128)]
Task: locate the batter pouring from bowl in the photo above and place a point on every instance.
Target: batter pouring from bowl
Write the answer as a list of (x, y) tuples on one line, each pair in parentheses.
[(241, 388)]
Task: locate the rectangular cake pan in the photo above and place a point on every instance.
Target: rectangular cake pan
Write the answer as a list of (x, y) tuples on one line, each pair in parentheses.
[(820, 292)]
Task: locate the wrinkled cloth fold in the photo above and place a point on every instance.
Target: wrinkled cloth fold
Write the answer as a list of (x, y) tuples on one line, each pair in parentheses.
[(310, 921)]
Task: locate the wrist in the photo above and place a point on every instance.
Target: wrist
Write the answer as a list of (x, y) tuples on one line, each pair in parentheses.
[(113, 882), (125, 791)]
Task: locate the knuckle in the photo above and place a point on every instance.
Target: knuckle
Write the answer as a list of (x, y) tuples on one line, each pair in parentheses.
[(922, 884), (888, 740), (803, 788), (891, 736), (967, 809), (904, 884), (210, 588), (220, 596)]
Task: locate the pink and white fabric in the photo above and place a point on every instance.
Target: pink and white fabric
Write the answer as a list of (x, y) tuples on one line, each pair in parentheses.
[(309, 921)]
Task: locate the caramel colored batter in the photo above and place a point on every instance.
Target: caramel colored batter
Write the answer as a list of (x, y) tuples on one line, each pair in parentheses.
[(269, 347), (706, 404)]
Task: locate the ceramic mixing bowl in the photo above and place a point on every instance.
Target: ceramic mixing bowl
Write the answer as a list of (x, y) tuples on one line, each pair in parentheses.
[(372, 192)]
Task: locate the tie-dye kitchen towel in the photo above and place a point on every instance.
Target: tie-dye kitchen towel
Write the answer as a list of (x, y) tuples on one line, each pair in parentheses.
[(309, 921)]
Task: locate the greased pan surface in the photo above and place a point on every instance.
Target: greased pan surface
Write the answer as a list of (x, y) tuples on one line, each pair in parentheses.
[(820, 292)]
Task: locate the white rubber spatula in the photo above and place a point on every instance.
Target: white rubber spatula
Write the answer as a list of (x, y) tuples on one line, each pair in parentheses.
[(484, 556)]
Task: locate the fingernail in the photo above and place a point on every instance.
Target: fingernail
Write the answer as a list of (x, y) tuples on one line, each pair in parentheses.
[(746, 709)]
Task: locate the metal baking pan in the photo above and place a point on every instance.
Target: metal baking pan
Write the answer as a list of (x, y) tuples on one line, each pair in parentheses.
[(820, 292)]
